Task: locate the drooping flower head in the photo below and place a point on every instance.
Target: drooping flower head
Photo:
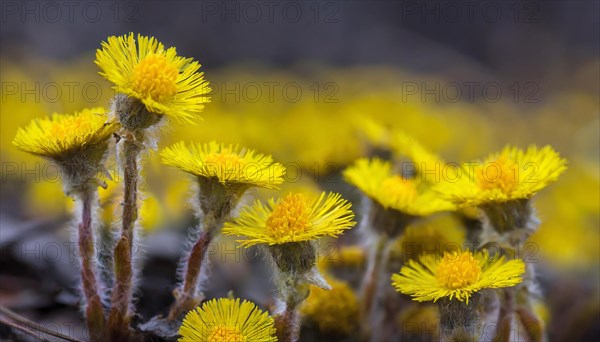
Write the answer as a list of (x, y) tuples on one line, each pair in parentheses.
[(228, 164), (77, 143), (456, 275), (294, 218), (512, 174), (143, 70), (226, 319), (376, 179)]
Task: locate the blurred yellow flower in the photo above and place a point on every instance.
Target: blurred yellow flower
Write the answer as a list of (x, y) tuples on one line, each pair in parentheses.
[(293, 218), (430, 237), (229, 164), (423, 160), (348, 256), (509, 175), (164, 82), (375, 178), (226, 319), (420, 320), (63, 135), (456, 275), (333, 311), (570, 204)]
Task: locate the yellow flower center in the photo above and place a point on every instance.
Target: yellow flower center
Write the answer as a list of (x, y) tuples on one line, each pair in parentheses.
[(224, 333), (223, 159), (155, 77), (458, 270), (290, 216), (397, 188), (501, 174)]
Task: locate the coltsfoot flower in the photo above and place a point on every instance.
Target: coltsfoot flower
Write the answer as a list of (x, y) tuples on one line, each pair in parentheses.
[(335, 310), (294, 218), (423, 160), (376, 179), (456, 275), (226, 319), (512, 174), (76, 143), (163, 82), (228, 164), (65, 134), (431, 237)]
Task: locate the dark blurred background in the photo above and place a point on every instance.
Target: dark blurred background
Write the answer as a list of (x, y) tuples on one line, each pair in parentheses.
[(536, 40)]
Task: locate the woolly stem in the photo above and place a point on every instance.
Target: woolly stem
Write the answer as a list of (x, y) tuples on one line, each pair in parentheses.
[(94, 313), (460, 321), (215, 202), (505, 315), (119, 317), (186, 295), (287, 324), (293, 284), (533, 326), (371, 279), (510, 224)]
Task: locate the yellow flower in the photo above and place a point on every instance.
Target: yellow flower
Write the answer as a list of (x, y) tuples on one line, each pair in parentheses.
[(345, 256), (419, 320), (456, 275), (226, 319), (509, 175), (430, 237), (376, 179), (294, 218), (63, 135), (570, 204), (334, 310), (423, 160), (164, 82), (228, 163)]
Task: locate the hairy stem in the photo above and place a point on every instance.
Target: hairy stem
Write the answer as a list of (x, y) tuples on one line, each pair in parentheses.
[(94, 313), (370, 281), (186, 295), (287, 324), (119, 317)]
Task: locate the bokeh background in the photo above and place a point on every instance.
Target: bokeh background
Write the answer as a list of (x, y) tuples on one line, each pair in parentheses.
[(316, 84)]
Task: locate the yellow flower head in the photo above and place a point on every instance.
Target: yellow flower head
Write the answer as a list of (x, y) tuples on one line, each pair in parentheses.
[(376, 179), (226, 319), (432, 237), (164, 82), (456, 275), (334, 310), (294, 218), (63, 135), (345, 256), (420, 319), (509, 175), (229, 164), (423, 160)]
